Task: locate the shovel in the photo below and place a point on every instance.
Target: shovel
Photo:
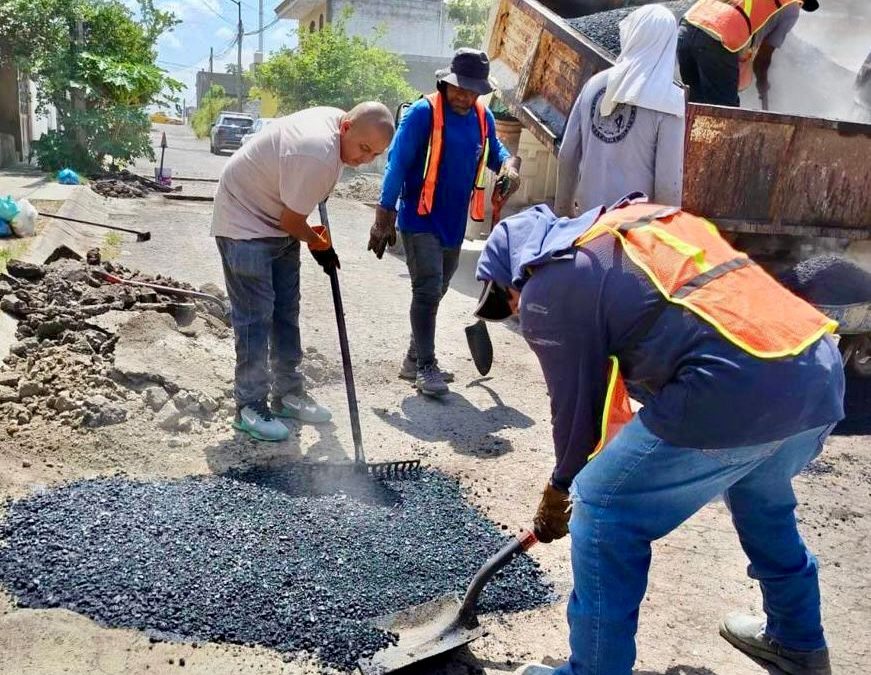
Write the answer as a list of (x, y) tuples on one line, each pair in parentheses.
[(477, 335), (443, 624)]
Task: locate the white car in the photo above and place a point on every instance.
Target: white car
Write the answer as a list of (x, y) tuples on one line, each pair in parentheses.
[(259, 124)]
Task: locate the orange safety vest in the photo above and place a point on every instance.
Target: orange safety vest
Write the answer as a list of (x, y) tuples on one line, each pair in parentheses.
[(734, 22), (434, 156), (688, 261)]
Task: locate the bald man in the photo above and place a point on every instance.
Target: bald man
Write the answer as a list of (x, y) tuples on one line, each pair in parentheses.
[(264, 197)]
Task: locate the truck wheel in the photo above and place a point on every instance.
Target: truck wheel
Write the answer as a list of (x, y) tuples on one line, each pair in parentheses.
[(860, 355)]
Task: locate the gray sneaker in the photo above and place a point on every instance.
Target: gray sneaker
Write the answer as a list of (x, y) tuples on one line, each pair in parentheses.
[(408, 371), (258, 422), (534, 669), (431, 382), (747, 634), (301, 407)]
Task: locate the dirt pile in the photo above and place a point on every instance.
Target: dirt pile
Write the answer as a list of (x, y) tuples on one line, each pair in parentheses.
[(70, 323), (364, 187), (233, 561)]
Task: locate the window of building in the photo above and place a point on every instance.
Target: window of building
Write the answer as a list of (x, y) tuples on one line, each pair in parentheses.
[(311, 27), (321, 22)]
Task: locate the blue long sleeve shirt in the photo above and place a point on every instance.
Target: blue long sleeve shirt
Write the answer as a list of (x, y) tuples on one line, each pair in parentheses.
[(461, 152)]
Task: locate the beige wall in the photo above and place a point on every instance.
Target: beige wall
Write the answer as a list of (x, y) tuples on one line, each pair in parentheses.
[(314, 16)]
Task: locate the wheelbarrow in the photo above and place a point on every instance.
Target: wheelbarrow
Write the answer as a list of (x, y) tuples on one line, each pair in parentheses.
[(443, 624)]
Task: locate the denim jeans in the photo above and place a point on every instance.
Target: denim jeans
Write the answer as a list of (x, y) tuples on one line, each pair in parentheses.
[(262, 279), (431, 267), (638, 490), (707, 68)]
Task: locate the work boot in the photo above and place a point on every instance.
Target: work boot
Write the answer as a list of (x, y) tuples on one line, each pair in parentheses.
[(256, 421), (301, 407), (534, 669), (747, 633), (408, 371), (430, 381)]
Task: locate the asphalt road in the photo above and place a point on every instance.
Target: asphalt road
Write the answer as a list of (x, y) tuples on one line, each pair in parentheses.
[(185, 154)]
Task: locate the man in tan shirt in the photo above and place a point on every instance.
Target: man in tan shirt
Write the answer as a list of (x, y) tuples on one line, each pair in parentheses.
[(264, 196)]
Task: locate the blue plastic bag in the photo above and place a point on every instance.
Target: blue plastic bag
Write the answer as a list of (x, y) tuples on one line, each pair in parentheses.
[(68, 177), (8, 208), (5, 230)]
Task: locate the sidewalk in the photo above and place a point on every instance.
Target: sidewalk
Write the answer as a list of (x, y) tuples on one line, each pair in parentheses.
[(25, 182)]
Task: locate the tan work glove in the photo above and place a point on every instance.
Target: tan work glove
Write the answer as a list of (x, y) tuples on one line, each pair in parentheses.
[(508, 178), (552, 518), (383, 232)]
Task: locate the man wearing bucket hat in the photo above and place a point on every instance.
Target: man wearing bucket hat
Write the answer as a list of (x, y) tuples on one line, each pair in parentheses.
[(713, 36), (650, 300), (436, 168)]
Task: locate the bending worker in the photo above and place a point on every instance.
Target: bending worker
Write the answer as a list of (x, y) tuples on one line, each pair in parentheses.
[(436, 165), (626, 128), (741, 384), (714, 33), (264, 196)]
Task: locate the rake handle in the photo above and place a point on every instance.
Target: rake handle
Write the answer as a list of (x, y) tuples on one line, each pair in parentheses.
[(350, 389), (140, 236)]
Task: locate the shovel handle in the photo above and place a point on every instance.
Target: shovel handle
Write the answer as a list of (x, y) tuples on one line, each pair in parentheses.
[(524, 540)]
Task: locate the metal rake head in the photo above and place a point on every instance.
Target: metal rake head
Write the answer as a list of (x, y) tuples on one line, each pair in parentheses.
[(408, 468)]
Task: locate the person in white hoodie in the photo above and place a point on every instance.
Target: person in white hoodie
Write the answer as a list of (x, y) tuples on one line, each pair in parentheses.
[(626, 129)]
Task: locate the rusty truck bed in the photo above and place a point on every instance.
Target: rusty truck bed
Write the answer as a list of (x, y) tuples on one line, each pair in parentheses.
[(749, 171)]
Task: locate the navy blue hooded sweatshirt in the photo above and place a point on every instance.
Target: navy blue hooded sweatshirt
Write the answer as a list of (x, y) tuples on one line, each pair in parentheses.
[(581, 305)]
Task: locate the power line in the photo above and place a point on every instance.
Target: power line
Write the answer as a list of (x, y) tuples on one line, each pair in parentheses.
[(205, 4), (265, 28)]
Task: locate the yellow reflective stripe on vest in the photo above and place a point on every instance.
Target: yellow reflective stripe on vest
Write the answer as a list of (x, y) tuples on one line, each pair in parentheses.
[(748, 7), (684, 248), (480, 181), (613, 378)]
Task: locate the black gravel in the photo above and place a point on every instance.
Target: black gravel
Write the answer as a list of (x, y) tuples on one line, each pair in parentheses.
[(228, 560), (603, 28), (829, 280)]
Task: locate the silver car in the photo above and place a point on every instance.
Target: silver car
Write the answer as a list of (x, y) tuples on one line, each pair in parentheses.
[(259, 124)]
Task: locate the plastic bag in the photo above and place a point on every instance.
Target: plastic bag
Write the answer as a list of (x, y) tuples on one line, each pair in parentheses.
[(24, 224), (8, 208), (68, 177), (4, 229)]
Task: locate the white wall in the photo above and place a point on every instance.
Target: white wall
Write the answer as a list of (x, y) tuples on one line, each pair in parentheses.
[(418, 27)]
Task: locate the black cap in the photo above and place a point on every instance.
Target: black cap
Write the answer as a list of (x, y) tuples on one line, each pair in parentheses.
[(810, 5), (493, 305), (470, 69)]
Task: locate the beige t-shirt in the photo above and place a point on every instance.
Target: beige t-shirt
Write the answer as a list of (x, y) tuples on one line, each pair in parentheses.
[(295, 163)]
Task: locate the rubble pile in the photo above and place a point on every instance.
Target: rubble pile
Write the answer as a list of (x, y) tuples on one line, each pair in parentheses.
[(364, 187), (603, 28), (62, 367), (233, 561), (125, 185)]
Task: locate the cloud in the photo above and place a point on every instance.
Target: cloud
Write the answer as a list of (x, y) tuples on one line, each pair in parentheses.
[(169, 40), (225, 33)]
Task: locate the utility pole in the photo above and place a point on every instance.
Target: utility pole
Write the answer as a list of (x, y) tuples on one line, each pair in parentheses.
[(211, 62), (260, 30), (239, 54)]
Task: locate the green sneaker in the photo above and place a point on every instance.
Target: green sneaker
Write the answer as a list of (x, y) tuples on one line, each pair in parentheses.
[(256, 421), (747, 634), (302, 407)]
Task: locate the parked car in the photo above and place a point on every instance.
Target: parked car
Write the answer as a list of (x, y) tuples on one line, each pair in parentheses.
[(259, 124), (227, 131)]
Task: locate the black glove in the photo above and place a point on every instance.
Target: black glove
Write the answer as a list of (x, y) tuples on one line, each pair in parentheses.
[(383, 232), (327, 259), (552, 518)]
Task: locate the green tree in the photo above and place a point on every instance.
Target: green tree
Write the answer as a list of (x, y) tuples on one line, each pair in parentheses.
[(95, 63), (330, 67), (214, 101), (471, 20)]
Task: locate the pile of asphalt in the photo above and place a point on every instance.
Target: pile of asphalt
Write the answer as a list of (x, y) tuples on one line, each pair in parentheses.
[(829, 280), (603, 28), (229, 560)]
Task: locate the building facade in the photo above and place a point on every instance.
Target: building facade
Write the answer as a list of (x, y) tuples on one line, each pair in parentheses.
[(418, 30)]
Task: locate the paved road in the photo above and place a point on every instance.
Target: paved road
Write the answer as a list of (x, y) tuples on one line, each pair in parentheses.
[(185, 154)]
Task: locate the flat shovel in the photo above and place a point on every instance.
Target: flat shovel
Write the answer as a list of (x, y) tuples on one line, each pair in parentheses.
[(443, 624)]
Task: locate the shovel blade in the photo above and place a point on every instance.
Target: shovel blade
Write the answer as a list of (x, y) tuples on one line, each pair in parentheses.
[(424, 631), (480, 346)]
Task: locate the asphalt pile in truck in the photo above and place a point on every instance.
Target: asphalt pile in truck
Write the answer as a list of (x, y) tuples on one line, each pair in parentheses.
[(829, 280), (220, 559), (603, 28)]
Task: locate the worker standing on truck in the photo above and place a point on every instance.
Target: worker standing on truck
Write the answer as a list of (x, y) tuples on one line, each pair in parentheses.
[(740, 382), (626, 128), (714, 33), (757, 56), (264, 196), (437, 167)]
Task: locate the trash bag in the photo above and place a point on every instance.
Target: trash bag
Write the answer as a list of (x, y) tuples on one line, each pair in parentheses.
[(68, 177), (8, 208), (24, 224), (5, 230)]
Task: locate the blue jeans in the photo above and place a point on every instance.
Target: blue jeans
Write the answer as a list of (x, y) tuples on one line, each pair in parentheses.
[(262, 279), (639, 489), (431, 267)]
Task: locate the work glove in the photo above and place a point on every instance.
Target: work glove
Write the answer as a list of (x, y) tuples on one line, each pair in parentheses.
[(322, 249), (383, 232), (552, 518), (508, 180)]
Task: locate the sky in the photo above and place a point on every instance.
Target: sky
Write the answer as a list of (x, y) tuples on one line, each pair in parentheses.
[(212, 23)]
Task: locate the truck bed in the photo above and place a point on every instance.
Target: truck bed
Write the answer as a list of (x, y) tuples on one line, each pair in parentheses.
[(749, 171)]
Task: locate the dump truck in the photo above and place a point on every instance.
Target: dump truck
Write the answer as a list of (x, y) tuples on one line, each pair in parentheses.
[(781, 187)]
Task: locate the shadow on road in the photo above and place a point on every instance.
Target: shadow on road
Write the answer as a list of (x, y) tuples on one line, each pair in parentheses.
[(469, 430)]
